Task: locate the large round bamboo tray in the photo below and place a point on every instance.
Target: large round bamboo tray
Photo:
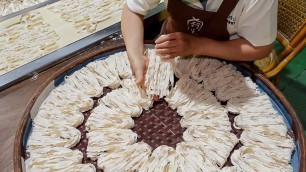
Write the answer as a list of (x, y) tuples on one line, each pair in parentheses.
[(278, 99)]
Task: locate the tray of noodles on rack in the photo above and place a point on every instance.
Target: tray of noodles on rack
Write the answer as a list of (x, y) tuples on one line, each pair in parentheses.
[(42, 36)]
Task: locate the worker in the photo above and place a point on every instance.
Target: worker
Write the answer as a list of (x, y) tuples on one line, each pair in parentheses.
[(235, 30)]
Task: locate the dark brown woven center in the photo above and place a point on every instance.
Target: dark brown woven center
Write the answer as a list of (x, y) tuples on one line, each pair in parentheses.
[(159, 125)]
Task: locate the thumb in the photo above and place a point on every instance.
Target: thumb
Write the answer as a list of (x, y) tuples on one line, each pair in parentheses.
[(139, 76)]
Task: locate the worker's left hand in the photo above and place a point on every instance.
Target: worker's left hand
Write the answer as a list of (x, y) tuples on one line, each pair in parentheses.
[(175, 44)]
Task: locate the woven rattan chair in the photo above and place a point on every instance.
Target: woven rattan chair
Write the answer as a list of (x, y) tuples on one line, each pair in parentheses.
[(291, 34)]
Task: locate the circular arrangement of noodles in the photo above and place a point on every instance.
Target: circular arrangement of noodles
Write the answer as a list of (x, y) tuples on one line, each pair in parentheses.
[(205, 92)]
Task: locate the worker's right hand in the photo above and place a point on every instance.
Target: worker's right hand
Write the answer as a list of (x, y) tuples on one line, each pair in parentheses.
[(139, 65)]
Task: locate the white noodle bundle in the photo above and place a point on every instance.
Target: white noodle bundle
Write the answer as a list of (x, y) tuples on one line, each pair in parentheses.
[(85, 81), (218, 121), (252, 160), (105, 72), (194, 158), (185, 89), (257, 103), (208, 66), (123, 65), (61, 136), (259, 120), (213, 142), (138, 93), (238, 88), (53, 159), (159, 76), (203, 101), (163, 158), (267, 139), (179, 66), (52, 117), (108, 140), (66, 97), (104, 117), (126, 158), (120, 100)]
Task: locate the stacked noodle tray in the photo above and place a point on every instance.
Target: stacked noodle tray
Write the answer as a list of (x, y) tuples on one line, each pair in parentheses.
[(11, 6), (203, 96), (38, 33), (85, 15), (25, 41)]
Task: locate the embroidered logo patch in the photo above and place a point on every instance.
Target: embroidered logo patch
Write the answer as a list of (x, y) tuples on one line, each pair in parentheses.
[(231, 20), (194, 25)]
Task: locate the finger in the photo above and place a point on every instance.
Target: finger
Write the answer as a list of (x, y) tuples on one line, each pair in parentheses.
[(143, 87), (146, 60), (163, 52), (167, 58), (139, 70), (166, 44), (139, 73), (164, 38), (146, 64), (155, 98)]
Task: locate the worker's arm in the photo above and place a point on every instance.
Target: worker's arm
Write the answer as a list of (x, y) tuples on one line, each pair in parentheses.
[(181, 44), (132, 30)]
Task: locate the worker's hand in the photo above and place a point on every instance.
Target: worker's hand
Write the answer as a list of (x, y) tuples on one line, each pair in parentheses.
[(139, 66), (175, 44)]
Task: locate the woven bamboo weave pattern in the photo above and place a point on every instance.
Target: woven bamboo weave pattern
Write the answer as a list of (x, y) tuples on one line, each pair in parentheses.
[(159, 126), (291, 16)]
